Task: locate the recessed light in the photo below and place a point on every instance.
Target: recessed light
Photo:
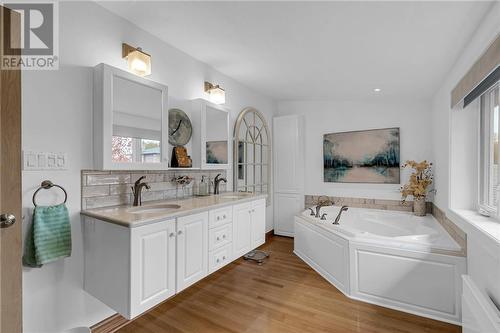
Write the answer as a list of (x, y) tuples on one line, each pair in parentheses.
[(377, 90)]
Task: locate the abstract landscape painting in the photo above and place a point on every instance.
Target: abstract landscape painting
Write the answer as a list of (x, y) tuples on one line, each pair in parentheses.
[(217, 152), (370, 156)]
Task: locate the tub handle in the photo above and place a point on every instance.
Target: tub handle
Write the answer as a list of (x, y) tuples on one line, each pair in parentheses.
[(323, 217), (312, 212)]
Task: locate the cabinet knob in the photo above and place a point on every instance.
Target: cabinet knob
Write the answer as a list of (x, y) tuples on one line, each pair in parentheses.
[(253, 210), (218, 218), (218, 238), (179, 232), (223, 236), (224, 258), (171, 235), (224, 216), (217, 260)]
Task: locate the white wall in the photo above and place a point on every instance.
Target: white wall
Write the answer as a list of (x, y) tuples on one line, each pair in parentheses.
[(57, 117), (441, 110), (413, 119), (455, 148)]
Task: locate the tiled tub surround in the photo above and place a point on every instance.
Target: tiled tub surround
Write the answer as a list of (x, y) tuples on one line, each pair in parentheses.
[(113, 188), (455, 232)]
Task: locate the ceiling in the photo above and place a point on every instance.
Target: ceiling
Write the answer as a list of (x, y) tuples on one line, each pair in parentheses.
[(318, 50)]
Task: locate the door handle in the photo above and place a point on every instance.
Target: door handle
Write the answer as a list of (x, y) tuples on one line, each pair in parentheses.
[(6, 220)]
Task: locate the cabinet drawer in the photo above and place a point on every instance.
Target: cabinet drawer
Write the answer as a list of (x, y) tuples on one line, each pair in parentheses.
[(220, 236), (219, 258), (220, 216)]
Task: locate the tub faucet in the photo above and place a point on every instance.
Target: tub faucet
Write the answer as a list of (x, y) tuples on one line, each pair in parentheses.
[(137, 190), (337, 219), (322, 203)]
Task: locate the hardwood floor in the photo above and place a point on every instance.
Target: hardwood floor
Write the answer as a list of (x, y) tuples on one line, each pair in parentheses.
[(283, 295)]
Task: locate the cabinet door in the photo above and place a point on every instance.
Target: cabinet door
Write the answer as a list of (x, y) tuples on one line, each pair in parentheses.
[(242, 229), (285, 207), (152, 265), (192, 249), (258, 223)]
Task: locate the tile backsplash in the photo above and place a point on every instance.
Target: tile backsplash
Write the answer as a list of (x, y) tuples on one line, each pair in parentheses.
[(112, 188)]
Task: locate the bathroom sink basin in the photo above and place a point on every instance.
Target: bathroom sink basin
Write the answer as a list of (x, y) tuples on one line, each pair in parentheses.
[(229, 197), (153, 209)]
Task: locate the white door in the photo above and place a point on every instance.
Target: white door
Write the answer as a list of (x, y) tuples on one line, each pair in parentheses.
[(152, 265), (192, 249), (288, 160), (242, 229), (258, 223)]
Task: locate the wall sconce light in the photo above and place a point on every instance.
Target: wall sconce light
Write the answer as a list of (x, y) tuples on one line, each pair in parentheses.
[(217, 94), (138, 61)]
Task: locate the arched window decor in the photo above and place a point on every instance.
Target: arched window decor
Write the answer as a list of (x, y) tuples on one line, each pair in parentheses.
[(252, 153)]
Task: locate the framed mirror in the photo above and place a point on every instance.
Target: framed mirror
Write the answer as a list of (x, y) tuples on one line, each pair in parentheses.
[(215, 145), (130, 119), (252, 154)]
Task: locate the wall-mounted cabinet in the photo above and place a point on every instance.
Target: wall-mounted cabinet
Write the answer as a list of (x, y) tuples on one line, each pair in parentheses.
[(131, 125), (130, 121), (210, 144)]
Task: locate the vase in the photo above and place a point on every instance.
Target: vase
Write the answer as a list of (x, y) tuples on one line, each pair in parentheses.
[(419, 207)]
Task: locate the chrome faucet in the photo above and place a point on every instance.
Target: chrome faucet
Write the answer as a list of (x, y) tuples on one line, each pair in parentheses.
[(217, 181), (337, 219), (137, 190), (322, 203)]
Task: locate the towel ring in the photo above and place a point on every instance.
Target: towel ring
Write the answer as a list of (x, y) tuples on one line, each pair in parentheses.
[(47, 184)]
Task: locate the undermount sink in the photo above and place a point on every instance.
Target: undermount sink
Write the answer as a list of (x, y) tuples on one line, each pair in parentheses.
[(153, 209)]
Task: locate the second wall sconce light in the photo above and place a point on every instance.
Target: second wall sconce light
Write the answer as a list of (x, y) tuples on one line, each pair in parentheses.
[(138, 61), (217, 94)]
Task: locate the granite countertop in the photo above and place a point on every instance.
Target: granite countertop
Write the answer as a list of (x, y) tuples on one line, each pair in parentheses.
[(124, 215)]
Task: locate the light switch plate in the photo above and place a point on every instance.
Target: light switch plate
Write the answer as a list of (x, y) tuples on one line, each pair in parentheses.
[(34, 160)]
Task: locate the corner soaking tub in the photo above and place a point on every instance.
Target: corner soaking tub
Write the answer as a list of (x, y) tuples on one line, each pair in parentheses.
[(389, 258)]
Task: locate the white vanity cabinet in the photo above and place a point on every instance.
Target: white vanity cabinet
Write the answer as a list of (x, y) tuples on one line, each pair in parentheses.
[(192, 249), (249, 225), (130, 269), (133, 268)]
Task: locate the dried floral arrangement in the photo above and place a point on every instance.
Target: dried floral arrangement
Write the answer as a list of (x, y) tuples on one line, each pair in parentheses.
[(420, 180)]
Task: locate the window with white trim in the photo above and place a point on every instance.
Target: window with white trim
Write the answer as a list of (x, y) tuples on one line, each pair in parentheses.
[(489, 171)]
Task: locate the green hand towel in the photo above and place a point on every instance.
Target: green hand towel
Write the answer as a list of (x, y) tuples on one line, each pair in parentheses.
[(49, 237)]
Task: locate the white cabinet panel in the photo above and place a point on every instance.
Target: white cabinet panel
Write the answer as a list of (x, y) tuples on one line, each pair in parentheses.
[(327, 255), (285, 207), (218, 217), (220, 236), (152, 265), (258, 223), (288, 154), (192, 249), (219, 258), (242, 229)]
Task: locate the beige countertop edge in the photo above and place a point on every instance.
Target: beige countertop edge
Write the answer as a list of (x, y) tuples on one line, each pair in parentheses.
[(95, 213)]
